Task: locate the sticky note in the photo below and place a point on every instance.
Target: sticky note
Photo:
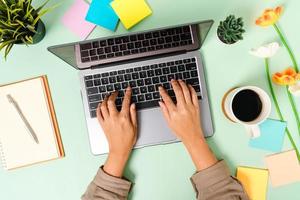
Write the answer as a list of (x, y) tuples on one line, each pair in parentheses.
[(131, 12), (255, 181), (101, 13), (74, 19), (283, 167), (271, 136)]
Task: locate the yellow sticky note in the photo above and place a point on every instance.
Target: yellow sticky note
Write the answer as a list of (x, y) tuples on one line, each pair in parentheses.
[(255, 181), (131, 12)]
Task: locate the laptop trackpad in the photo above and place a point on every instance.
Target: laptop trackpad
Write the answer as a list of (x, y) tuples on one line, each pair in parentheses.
[(153, 128)]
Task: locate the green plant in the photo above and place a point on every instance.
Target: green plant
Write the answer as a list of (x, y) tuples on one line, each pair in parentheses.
[(18, 22), (231, 30)]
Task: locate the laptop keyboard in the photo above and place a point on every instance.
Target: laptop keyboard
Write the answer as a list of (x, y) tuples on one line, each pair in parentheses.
[(135, 44), (144, 81)]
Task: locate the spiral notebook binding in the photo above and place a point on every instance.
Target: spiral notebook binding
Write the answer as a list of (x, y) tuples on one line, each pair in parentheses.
[(2, 157)]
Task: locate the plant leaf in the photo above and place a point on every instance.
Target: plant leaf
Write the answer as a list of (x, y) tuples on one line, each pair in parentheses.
[(31, 28), (21, 23), (22, 33), (28, 5), (29, 39), (7, 49), (29, 14), (16, 31), (5, 43), (41, 7), (43, 12)]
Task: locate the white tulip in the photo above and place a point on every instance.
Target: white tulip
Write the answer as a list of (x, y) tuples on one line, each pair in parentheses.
[(265, 51), (295, 89)]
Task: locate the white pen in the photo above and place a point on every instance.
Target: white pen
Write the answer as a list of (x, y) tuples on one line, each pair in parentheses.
[(27, 124)]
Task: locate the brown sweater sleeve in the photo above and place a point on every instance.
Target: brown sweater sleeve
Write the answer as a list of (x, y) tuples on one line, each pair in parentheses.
[(107, 187), (216, 183)]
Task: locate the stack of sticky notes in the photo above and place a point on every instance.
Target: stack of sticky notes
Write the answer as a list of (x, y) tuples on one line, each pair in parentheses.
[(106, 13), (255, 181), (82, 17)]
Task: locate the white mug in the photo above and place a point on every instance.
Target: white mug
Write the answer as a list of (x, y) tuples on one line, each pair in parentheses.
[(252, 127)]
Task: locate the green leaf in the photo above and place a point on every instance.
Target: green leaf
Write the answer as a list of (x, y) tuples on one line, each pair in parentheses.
[(31, 28), (7, 49), (43, 12), (5, 24), (16, 31), (29, 39), (21, 23), (41, 7), (5, 43), (21, 4), (234, 37), (15, 10), (28, 5), (29, 14), (24, 41), (17, 36)]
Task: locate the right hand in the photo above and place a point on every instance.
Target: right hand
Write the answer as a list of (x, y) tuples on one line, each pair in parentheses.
[(183, 118)]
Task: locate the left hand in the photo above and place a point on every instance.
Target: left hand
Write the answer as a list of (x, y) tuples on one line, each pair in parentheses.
[(120, 129)]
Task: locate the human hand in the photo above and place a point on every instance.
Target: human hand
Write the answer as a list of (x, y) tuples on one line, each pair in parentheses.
[(183, 118), (120, 129)]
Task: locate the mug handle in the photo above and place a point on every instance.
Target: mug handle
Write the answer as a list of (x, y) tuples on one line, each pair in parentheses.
[(253, 131)]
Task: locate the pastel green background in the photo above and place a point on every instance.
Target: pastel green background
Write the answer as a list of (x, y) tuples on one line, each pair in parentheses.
[(159, 172)]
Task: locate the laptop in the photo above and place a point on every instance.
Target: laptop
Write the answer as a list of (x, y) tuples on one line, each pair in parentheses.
[(144, 61)]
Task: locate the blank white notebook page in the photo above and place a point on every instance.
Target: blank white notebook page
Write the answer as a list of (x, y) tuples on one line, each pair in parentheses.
[(18, 147)]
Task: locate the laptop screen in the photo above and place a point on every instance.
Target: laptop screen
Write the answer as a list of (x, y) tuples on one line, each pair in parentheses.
[(170, 43)]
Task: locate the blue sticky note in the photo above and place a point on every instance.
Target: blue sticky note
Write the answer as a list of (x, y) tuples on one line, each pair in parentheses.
[(101, 13), (271, 136)]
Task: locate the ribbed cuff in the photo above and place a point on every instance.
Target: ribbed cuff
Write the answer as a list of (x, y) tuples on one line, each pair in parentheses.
[(210, 176), (117, 185)]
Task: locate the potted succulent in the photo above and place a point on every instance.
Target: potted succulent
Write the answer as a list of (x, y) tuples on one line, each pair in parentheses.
[(231, 30), (20, 23)]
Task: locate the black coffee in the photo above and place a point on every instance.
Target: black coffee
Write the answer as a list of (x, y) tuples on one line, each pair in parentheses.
[(246, 105)]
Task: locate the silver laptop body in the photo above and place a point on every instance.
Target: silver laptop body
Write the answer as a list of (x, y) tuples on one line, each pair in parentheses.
[(153, 129)]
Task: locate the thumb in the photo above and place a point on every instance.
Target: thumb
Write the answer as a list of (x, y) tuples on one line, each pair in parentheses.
[(133, 114), (164, 110)]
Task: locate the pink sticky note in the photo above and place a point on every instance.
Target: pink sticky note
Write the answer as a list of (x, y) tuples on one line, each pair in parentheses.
[(284, 168), (74, 19)]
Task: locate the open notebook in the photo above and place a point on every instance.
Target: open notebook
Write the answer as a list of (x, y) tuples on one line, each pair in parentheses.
[(17, 147)]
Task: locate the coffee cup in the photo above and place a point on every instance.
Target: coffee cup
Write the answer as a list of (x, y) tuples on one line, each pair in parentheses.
[(249, 106)]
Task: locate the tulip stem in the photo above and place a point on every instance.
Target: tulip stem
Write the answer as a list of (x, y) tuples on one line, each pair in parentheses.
[(283, 40), (272, 89), (292, 102), (278, 108)]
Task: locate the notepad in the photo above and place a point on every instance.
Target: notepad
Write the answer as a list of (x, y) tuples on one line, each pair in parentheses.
[(255, 181), (131, 12), (74, 19), (271, 136), (284, 168), (101, 13), (17, 148)]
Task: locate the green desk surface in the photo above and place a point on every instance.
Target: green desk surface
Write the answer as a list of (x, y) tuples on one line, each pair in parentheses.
[(159, 172)]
